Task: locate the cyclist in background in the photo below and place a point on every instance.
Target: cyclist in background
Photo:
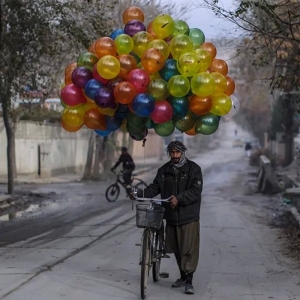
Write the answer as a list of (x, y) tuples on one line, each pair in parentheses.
[(128, 167)]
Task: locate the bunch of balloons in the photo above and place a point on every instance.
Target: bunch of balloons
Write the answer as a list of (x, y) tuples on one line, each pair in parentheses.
[(161, 76)]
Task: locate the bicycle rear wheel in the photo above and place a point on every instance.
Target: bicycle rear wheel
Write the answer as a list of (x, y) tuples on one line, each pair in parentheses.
[(145, 262), (157, 252), (112, 192)]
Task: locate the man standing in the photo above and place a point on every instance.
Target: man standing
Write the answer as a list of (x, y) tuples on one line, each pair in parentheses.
[(181, 179)]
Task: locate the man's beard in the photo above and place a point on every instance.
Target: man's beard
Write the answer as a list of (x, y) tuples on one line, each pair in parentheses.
[(175, 160)]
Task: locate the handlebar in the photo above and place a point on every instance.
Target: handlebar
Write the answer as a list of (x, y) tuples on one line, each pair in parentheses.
[(134, 194)]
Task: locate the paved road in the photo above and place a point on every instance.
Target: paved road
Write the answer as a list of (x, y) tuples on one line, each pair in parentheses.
[(88, 251)]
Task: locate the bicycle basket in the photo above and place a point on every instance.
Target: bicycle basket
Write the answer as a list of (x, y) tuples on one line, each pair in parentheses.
[(147, 217)]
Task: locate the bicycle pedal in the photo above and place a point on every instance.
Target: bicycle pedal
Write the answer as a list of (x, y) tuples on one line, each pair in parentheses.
[(164, 275)]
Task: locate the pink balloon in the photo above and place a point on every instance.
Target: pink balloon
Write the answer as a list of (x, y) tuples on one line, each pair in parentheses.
[(140, 79), (162, 112), (72, 95)]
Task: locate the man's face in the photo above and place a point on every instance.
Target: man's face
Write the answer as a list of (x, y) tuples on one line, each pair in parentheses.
[(175, 156)]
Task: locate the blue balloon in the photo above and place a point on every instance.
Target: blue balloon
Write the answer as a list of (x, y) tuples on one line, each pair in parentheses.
[(143, 105), (121, 111), (169, 69), (116, 32), (102, 132), (113, 123), (91, 87), (180, 105)]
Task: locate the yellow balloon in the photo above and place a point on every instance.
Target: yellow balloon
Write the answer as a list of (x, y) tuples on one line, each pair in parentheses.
[(221, 105), (220, 83), (188, 64), (178, 86), (161, 45), (140, 42), (124, 44), (108, 67), (163, 26), (203, 84), (205, 59), (73, 117), (155, 76), (107, 111), (180, 44)]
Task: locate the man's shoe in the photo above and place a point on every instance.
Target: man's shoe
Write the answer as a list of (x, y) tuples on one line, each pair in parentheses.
[(178, 283), (189, 289)]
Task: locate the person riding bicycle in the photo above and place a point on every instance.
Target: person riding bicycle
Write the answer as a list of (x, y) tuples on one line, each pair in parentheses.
[(181, 179), (128, 167)]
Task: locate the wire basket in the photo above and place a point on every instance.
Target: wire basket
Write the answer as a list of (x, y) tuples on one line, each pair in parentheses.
[(149, 217)]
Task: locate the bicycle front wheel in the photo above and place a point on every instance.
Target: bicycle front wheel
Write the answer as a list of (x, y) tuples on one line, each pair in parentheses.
[(158, 251), (112, 192), (145, 263)]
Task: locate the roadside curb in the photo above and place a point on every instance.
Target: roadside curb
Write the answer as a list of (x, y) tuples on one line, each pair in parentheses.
[(296, 214)]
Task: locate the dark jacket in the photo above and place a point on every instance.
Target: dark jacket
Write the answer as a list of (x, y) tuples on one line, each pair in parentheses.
[(186, 186), (127, 162)]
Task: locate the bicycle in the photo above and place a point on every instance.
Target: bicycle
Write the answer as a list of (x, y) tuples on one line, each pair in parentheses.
[(150, 217), (113, 191)]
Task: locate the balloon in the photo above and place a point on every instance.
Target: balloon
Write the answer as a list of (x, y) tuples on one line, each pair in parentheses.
[(164, 129), (124, 44), (107, 111), (161, 45), (230, 86), (70, 128), (181, 27), (108, 67), (197, 36), (91, 88), (220, 83), (162, 112), (155, 76), (188, 64), (158, 89), (135, 120), (98, 77), (203, 84), (116, 33), (191, 132), (180, 105), (122, 110), (153, 60), (113, 123), (178, 86), (93, 119), (235, 106), (104, 97), (87, 60), (135, 130), (210, 48), (105, 46), (221, 105), (219, 65), (139, 137), (124, 92), (169, 69), (114, 82), (200, 106), (163, 26), (81, 76), (103, 132), (127, 63), (123, 126), (133, 27), (91, 49), (140, 42), (149, 124), (72, 95), (143, 105), (68, 72), (180, 44), (140, 79), (207, 124), (72, 117), (205, 59), (150, 30), (185, 123), (135, 57), (133, 13)]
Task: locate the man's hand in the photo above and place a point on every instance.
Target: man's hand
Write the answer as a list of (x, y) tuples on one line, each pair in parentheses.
[(131, 197), (112, 169), (173, 201)]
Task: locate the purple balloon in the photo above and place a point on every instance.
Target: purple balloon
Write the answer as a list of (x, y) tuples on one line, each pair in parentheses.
[(114, 82), (80, 76), (133, 27), (104, 97)]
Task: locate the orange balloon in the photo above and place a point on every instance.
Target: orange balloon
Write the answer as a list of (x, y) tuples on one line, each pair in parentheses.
[(200, 105), (191, 131), (133, 13), (153, 60), (105, 46), (150, 30), (211, 48), (68, 72), (124, 92), (230, 86), (93, 119), (69, 128), (127, 63), (220, 66)]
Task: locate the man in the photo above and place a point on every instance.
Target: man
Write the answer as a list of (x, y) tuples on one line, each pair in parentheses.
[(128, 167), (181, 179), (248, 148)]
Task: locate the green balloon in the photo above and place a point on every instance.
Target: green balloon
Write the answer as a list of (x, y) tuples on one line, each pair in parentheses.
[(181, 27), (185, 123), (87, 60), (197, 36), (207, 124), (164, 129), (135, 130), (158, 88), (135, 120), (150, 124)]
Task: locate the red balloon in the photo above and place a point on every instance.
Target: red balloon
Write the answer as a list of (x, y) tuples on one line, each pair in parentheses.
[(162, 112), (72, 95), (97, 76), (140, 79)]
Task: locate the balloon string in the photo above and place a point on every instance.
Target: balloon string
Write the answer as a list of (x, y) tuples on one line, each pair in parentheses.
[(144, 142)]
